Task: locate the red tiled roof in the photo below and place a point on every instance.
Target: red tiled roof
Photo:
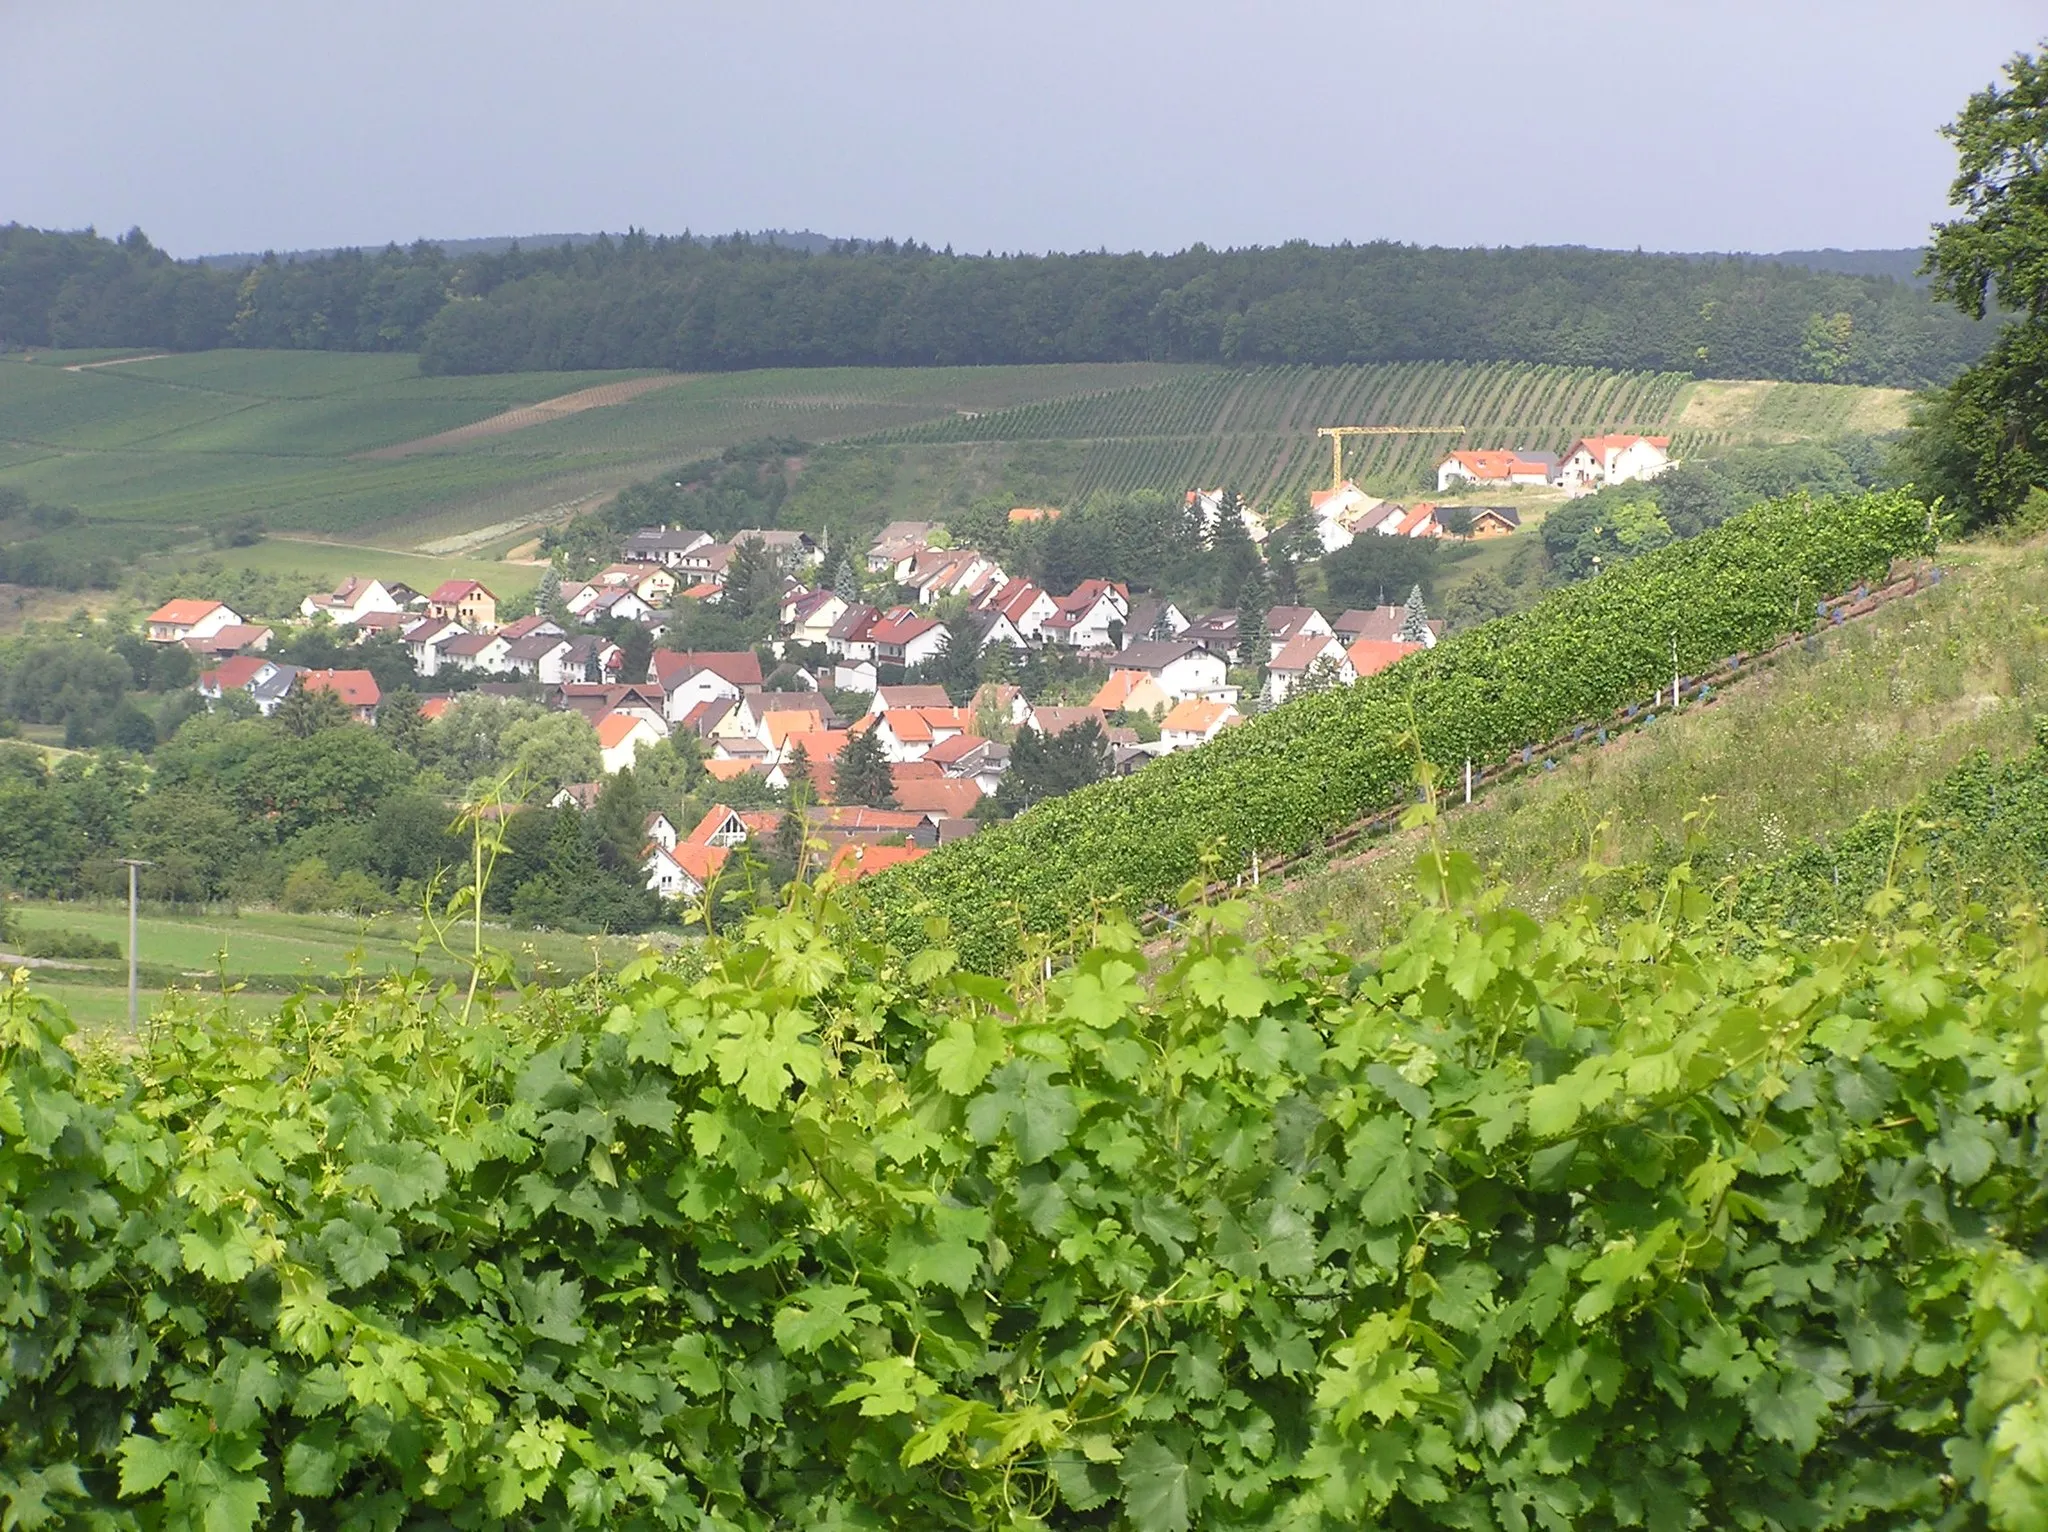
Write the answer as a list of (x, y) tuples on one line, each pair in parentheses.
[(950, 750), (183, 612), (1195, 716), (1370, 656), (450, 591), (1496, 464), (858, 860), (614, 728), (357, 688), (233, 674)]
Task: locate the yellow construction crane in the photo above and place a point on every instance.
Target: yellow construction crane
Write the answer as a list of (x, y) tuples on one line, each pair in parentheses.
[(1338, 433)]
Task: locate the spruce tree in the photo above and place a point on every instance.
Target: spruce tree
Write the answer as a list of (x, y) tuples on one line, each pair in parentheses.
[(846, 583), (1415, 620), (861, 774), (1253, 601), (803, 786)]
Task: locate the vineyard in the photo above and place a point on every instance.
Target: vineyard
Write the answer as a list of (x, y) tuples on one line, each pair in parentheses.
[(1284, 781), (1518, 1226), (1255, 430)]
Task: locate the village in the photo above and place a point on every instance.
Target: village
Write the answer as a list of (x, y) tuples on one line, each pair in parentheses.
[(847, 682)]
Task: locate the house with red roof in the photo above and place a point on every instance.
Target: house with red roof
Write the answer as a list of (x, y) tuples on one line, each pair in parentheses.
[(857, 859), (1615, 459), (350, 602), (176, 621), (1085, 615), (902, 637), (681, 871), (1370, 656), (265, 680), (1022, 603), (620, 739), (1195, 722), (468, 602), (357, 690), (1495, 465)]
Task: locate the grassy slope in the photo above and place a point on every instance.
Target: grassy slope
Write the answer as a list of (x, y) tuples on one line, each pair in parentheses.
[(274, 952), (190, 440), (1885, 708)]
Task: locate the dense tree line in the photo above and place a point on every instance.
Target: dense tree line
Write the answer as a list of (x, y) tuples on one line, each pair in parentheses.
[(685, 303)]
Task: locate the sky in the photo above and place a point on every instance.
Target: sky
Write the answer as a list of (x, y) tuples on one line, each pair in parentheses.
[(217, 125)]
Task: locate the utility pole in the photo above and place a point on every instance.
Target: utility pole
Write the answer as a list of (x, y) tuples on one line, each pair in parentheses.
[(134, 866)]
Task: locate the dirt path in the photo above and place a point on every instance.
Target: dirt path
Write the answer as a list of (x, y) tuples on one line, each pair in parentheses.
[(527, 415), (119, 361)]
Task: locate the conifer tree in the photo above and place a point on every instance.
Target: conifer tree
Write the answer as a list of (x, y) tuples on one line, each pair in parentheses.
[(861, 774), (803, 784), (1415, 620), (846, 583), (1253, 601)]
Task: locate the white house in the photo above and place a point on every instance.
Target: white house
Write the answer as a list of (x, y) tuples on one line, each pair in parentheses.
[(681, 871), (1495, 466), (1085, 614), (620, 739), (1284, 624), (1021, 603), (810, 618), (1597, 460), (1294, 662), (1339, 513), (477, 651), (350, 602), (904, 638), (1180, 669), (543, 656), (176, 621), (663, 545), (426, 641), (1195, 722), (616, 603)]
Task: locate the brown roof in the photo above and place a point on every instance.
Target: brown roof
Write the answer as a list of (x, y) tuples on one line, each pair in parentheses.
[(742, 667), (955, 799)]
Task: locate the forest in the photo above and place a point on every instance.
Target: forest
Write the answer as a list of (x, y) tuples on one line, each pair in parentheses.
[(689, 304)]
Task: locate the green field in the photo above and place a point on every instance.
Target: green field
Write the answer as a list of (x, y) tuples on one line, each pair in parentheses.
[(180, 443), (1886, 707), (274, 953), (189, 441)]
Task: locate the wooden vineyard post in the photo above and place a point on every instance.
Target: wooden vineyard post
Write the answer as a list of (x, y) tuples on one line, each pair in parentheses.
[(1468, 780)]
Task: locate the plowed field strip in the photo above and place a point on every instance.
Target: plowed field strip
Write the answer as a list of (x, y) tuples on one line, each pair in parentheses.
[(530, 415)]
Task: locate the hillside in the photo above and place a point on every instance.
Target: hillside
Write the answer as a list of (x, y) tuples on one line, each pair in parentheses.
[(301, 438), (1880, 711), (1255, 430)]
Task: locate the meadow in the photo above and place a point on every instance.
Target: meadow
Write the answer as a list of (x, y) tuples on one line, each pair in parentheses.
[(269, 953), (186, 442)]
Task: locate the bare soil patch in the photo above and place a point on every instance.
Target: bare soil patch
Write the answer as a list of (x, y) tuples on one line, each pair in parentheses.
[(119, 361), (529, 415)]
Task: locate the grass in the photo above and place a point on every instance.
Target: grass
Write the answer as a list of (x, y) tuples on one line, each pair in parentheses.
[(1717, 414), (188, 441), (274, 953), (1883, 709)]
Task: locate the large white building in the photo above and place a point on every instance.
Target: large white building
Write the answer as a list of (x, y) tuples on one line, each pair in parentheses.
[(1597, 460)]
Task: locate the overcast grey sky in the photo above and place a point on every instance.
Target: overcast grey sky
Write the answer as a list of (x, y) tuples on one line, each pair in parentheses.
[(1669, 124)]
